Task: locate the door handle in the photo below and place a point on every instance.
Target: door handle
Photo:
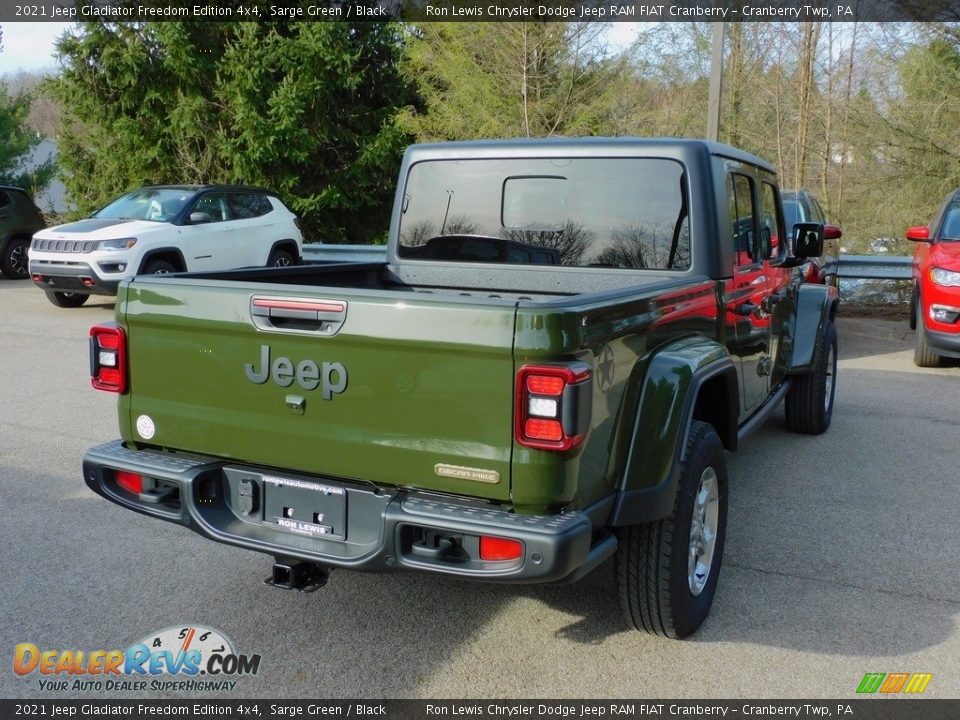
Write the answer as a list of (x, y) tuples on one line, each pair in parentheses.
[(772, 299), (747, 308)]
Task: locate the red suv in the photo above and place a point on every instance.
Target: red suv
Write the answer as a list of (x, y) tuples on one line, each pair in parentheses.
[(935, 302)]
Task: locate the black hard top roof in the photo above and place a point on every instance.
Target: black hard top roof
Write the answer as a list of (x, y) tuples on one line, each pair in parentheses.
[(584, 146)]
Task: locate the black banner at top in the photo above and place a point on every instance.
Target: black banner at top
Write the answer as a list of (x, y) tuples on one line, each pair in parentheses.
[(484, 10)]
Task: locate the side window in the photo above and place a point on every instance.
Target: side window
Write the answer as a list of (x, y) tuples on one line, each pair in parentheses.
[(244, 205), (817, 211), (951, 223), (771, 228), (742, 219), (248, 205), (4, 199), (214, 204)]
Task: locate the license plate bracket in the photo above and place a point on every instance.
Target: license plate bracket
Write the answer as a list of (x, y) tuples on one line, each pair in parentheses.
[(306, 508)]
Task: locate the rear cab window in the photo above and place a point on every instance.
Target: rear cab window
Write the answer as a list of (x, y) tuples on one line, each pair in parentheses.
[(628, 213)]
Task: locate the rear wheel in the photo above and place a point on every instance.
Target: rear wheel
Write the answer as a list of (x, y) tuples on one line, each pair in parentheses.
[(666, 571), (923, 356), (14, 263), (280, 258), (66, 300), (809, 404)]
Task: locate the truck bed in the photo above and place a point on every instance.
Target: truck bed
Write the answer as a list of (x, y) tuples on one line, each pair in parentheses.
[(459, 281)]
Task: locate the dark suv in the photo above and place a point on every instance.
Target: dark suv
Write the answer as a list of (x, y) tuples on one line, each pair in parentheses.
[(19, 220), (801, 206)]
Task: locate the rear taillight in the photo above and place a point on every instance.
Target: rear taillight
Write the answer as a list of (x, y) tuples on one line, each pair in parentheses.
[(553, 405), (108, 358)]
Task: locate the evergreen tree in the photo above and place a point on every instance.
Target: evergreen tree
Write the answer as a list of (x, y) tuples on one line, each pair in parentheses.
[(512, 79), (16, 142), (306, 109)]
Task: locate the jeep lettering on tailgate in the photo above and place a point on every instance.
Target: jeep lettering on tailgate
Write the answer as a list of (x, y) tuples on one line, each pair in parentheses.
[(307, 373)]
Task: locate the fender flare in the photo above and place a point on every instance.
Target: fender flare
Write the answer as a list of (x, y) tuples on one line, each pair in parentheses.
[(16, 234), (671, 385), (815, 306), (152, 253), (286, 244)]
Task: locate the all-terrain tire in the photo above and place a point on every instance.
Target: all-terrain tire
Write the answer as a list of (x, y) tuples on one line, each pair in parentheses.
[(66, 300), (280, 258), (13, 262), (809, 403), (662, 587), (159, 267), (923, 356)]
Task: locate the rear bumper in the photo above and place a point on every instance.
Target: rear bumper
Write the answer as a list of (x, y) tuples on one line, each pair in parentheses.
[(364, 528), (946, 344)]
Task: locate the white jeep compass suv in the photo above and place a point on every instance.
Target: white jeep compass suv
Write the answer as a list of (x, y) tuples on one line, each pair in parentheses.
[(163, 229)]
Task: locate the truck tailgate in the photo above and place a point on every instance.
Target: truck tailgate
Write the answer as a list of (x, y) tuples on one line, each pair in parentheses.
[(400, 388)]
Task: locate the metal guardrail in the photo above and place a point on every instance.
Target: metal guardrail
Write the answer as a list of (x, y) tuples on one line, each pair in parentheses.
[(860, 267), (319, 253), (875, 267)]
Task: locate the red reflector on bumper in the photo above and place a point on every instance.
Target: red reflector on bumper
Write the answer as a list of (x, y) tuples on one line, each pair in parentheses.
[(131, 482), (496, 548)]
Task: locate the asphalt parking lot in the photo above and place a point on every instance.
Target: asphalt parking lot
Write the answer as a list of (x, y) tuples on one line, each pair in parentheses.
[(842, 558)]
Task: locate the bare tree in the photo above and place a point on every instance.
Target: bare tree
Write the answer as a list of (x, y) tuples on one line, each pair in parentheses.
[(644, 247), (571, 241)]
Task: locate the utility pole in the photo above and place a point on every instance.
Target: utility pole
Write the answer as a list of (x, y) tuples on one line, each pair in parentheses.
[(716, 81)]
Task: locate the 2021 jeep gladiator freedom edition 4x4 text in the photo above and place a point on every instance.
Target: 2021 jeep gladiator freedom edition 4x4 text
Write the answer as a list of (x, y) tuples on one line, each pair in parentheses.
[(554, 384)]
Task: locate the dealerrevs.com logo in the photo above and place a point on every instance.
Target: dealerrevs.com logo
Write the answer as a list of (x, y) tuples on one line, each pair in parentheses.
[(188, 659)]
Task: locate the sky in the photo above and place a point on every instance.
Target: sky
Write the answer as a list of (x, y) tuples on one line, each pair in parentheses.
[(29, 46)]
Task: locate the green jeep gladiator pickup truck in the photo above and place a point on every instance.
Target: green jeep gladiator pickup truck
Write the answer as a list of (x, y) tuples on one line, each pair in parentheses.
[(564, 340)]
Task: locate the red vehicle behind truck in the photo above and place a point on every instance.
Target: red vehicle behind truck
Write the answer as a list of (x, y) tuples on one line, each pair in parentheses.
[(935, 301)]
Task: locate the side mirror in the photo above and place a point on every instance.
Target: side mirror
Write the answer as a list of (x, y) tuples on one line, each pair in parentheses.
[(199, 218), (832, 232), (807, 240), (920, 233)]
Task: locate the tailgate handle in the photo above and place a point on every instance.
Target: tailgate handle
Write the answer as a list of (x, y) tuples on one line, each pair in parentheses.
[(306, 315)]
